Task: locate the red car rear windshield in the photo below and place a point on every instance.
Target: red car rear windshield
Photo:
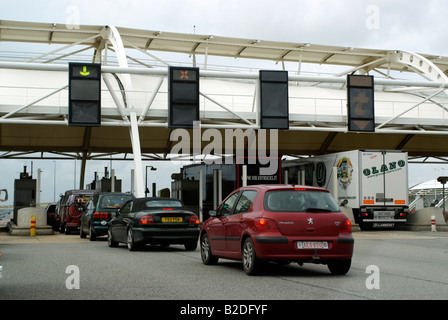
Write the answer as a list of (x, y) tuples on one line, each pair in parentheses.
[(299, 201)]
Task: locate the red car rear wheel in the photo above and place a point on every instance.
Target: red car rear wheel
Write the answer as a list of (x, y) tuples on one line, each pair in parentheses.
[(251, 264)]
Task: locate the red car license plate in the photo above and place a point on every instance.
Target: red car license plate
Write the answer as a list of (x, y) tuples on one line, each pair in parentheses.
[(312, 244)]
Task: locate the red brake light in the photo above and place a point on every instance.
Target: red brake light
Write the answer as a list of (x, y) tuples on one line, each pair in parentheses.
[(345, 226), (101, 215), (147, 220), (264, 224), (167, 209), (194, 220)]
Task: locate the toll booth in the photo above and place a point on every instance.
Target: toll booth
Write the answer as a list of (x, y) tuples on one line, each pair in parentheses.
[(214, 182), (186, 190), (24, 192), (105, 184)]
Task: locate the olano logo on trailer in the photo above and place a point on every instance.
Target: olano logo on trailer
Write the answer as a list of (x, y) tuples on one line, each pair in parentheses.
[(393, 166), (345, 170)]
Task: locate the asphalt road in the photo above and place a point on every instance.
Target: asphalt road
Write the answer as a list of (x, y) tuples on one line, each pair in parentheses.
[(406, 266)]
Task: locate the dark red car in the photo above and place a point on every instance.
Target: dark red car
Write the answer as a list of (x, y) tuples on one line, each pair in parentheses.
[(281, 223), (73, 204)]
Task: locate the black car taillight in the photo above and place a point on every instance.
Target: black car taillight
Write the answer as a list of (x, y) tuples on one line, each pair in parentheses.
[(146, 220), (194, 220)]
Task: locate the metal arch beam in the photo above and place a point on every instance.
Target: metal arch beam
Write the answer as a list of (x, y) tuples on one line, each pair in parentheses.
[(111, 34), (419, 63)]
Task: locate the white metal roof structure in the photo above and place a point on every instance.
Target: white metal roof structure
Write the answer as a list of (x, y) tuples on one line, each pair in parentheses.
[(429, 193), (410, 111)]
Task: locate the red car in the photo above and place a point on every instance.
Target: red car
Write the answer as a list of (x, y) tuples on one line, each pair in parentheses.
[(281, 223)]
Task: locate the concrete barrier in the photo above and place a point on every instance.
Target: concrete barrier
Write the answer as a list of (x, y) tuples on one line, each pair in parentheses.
[(420, 220), (23, 226)]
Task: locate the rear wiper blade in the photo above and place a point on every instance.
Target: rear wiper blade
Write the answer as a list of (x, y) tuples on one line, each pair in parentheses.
[(317, 210)]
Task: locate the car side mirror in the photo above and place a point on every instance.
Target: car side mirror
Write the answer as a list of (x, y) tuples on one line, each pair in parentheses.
[(212, 213)]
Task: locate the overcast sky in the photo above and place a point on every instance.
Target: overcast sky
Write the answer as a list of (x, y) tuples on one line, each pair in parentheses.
[(419, 26), (390, 24)]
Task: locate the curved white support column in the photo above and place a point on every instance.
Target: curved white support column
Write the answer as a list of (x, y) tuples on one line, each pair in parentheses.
[(110, 34)]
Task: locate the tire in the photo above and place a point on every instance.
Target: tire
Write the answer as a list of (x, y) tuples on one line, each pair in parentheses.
[(251, 264), (132, 246), (339, 267), (92, 234), (191, 245), (206, 252), (110, 241), (82, 234)]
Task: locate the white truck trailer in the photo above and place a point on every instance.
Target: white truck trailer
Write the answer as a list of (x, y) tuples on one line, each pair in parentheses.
[(373, 183)]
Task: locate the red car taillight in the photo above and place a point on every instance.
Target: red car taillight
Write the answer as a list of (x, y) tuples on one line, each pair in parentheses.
[(264, 224), (194, 220), (345, 226), (146, 220), (101, 215)]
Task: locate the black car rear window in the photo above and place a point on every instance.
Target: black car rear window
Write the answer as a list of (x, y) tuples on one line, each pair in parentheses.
[(299, 200), (163, 203)]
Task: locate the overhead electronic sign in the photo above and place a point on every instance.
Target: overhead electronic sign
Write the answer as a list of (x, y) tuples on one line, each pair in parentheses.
[(360, 103), (274, 101), (183, 97), (84, 107)]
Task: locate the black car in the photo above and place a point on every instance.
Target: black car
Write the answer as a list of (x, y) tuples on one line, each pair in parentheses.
[(100, 209), (154, 220), (52, 217)]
